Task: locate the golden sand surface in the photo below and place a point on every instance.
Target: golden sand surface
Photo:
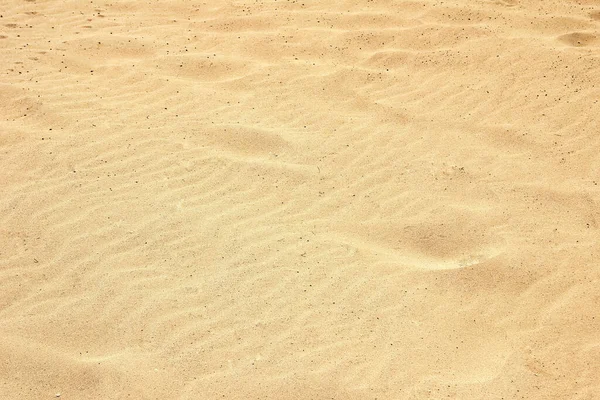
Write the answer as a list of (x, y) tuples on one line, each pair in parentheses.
[(335, 199)]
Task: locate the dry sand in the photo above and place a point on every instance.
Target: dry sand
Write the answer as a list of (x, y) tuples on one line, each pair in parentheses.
[(300, 199)]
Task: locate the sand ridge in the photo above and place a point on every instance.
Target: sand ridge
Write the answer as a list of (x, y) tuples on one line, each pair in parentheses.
[(299, 199)]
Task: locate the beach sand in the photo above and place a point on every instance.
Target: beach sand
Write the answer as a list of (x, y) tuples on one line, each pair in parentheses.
[(300, 199)]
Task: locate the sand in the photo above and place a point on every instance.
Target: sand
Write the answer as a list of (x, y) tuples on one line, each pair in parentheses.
[(300, 199)]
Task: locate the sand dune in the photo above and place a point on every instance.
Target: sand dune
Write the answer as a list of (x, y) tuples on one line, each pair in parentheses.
[(300, 200)]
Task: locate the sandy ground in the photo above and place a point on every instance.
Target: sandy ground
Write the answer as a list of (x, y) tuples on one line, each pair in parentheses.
[(300, 199)]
